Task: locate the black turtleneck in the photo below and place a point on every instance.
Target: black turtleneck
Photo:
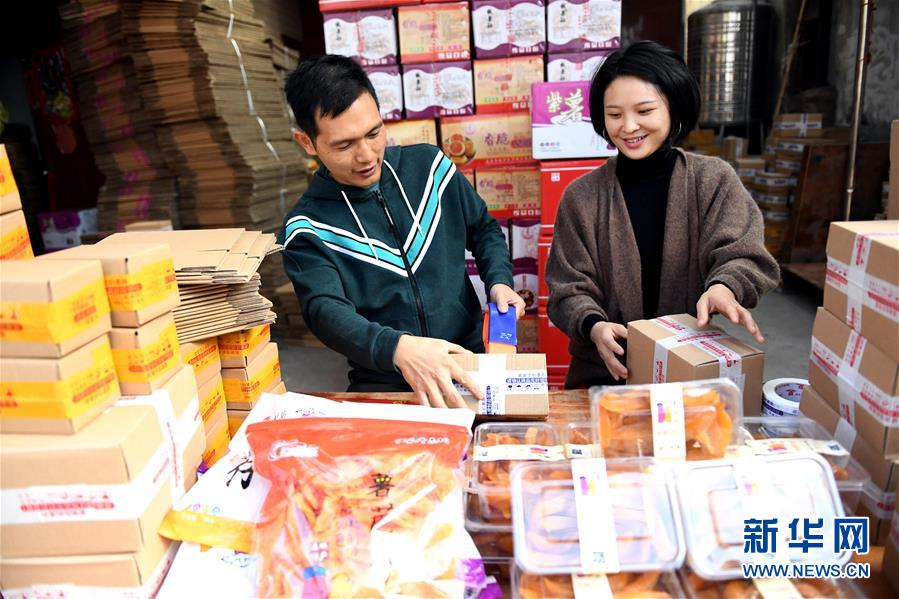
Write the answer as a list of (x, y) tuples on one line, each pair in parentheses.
[(644, 184)]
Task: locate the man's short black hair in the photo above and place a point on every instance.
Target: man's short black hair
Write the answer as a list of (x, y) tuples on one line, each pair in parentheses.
[(660, 66), (325, 87)]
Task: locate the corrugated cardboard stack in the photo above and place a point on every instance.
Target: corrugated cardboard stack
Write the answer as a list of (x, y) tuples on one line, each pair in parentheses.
[(210, 88), (854, 365), (217, 276), (139, 183), (15, 244), (250, 367), (203, 357), (87, 479)]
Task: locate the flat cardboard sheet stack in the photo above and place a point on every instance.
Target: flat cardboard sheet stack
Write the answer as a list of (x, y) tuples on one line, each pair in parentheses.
[(139, 184), (217, 278), (210, 88)]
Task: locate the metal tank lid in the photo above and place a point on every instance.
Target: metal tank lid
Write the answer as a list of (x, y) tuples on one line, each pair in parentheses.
[(731, 5)]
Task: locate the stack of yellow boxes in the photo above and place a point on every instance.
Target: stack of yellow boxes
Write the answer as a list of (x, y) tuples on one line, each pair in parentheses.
[(203, 357), (87, 475), (250, 367), (14, 241)]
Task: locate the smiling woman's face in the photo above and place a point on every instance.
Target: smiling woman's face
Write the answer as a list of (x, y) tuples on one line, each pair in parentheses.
[(351, 145), (636, 116)]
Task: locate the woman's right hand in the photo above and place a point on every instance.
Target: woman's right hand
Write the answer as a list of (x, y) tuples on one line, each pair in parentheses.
[(604, 336)]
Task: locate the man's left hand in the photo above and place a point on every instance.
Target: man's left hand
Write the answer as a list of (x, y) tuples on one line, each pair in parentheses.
[(504, 296)]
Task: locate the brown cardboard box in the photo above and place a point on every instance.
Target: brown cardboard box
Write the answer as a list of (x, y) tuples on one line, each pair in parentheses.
[(203, 356), (15, 244), (523, 376), (890, 566), (893, 206), (57, 396), (190, 434), (857, 380), (235, 419), (800, 124), (772, 183), (217, 440), (237, 350), (139, 277), (49, 309), (138, 574), (733, 148), (883, 471), (212, 401), (872, 250), (62, 492), (279, 389), (243, 386), (9, 191), (146, 357), (694, 357)]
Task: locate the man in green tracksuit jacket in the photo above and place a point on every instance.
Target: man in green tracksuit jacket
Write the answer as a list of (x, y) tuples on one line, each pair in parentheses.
[(376, 247)]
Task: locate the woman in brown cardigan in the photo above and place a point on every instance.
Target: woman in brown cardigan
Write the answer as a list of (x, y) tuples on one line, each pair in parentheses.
[(655, 230)]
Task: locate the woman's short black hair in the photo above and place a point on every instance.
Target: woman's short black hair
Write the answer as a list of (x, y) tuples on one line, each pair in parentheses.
[(660, 66), (325, 86)]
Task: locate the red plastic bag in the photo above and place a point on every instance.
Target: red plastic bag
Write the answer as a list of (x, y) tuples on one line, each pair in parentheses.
[(361, 508)]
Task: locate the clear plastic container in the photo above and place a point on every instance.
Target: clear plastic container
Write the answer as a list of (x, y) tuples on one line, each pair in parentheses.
[(624, 416), (580, 441), (696, 587), (717, 497), (648, 530), (851, 476), (498, 447), (654, 585)]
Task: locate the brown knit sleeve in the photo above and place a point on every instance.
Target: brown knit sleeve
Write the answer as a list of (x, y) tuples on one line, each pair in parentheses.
[(732, 242), (572, 273)]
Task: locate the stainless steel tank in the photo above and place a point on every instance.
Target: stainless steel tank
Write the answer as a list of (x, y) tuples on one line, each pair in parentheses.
[(729, 48)]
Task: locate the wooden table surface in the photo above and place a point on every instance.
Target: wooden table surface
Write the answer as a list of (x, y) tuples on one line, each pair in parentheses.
[(574, 406)]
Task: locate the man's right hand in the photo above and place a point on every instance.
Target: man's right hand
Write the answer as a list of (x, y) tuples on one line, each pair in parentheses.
[(426, 365), (604, 336)]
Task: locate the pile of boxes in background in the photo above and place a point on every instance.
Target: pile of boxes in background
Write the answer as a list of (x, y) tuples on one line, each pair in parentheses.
[(89, 473), (503, 87), (854, 364)]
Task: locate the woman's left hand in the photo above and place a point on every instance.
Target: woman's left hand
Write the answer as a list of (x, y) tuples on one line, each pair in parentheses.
[(719, 298)]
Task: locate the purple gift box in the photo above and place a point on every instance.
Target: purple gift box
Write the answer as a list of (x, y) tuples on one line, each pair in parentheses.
[(575, 66), (438, 89), (578, 25), (368, 36), (508, 27), (388, 84), (524, 274), (561, 125)]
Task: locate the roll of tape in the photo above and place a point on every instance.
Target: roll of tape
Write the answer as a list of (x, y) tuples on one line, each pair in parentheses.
[(780, 397)]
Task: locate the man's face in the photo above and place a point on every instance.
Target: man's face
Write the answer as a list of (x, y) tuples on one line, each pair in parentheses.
[(351, 145)]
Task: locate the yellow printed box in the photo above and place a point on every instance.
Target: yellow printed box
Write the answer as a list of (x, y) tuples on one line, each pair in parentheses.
[(487, 140), (408, 133), (212, 401), (235, 419), (203, 356), (146, 357), (57, 396), (243, 386), (237, 350), (49, 309), (139, 278), (9, 192), (15, 244), (217, 439)]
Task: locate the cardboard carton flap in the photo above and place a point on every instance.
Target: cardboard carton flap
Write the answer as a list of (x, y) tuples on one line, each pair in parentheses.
[(25, 282)]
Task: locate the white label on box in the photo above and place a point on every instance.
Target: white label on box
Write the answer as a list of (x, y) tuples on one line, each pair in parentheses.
[(562, 69), (377, 37), (541, 453), (527, 25), (389, 88), (79, 503), (490, 377), (666, 405), (341, 37), (419, 90), (575, 450), (602, 20), (872, 292), (454, 88), (595, 519), (790, 445), (491, 27), (776, 588), (591, 586), (845, 434), (563, 22), (571, 140)]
